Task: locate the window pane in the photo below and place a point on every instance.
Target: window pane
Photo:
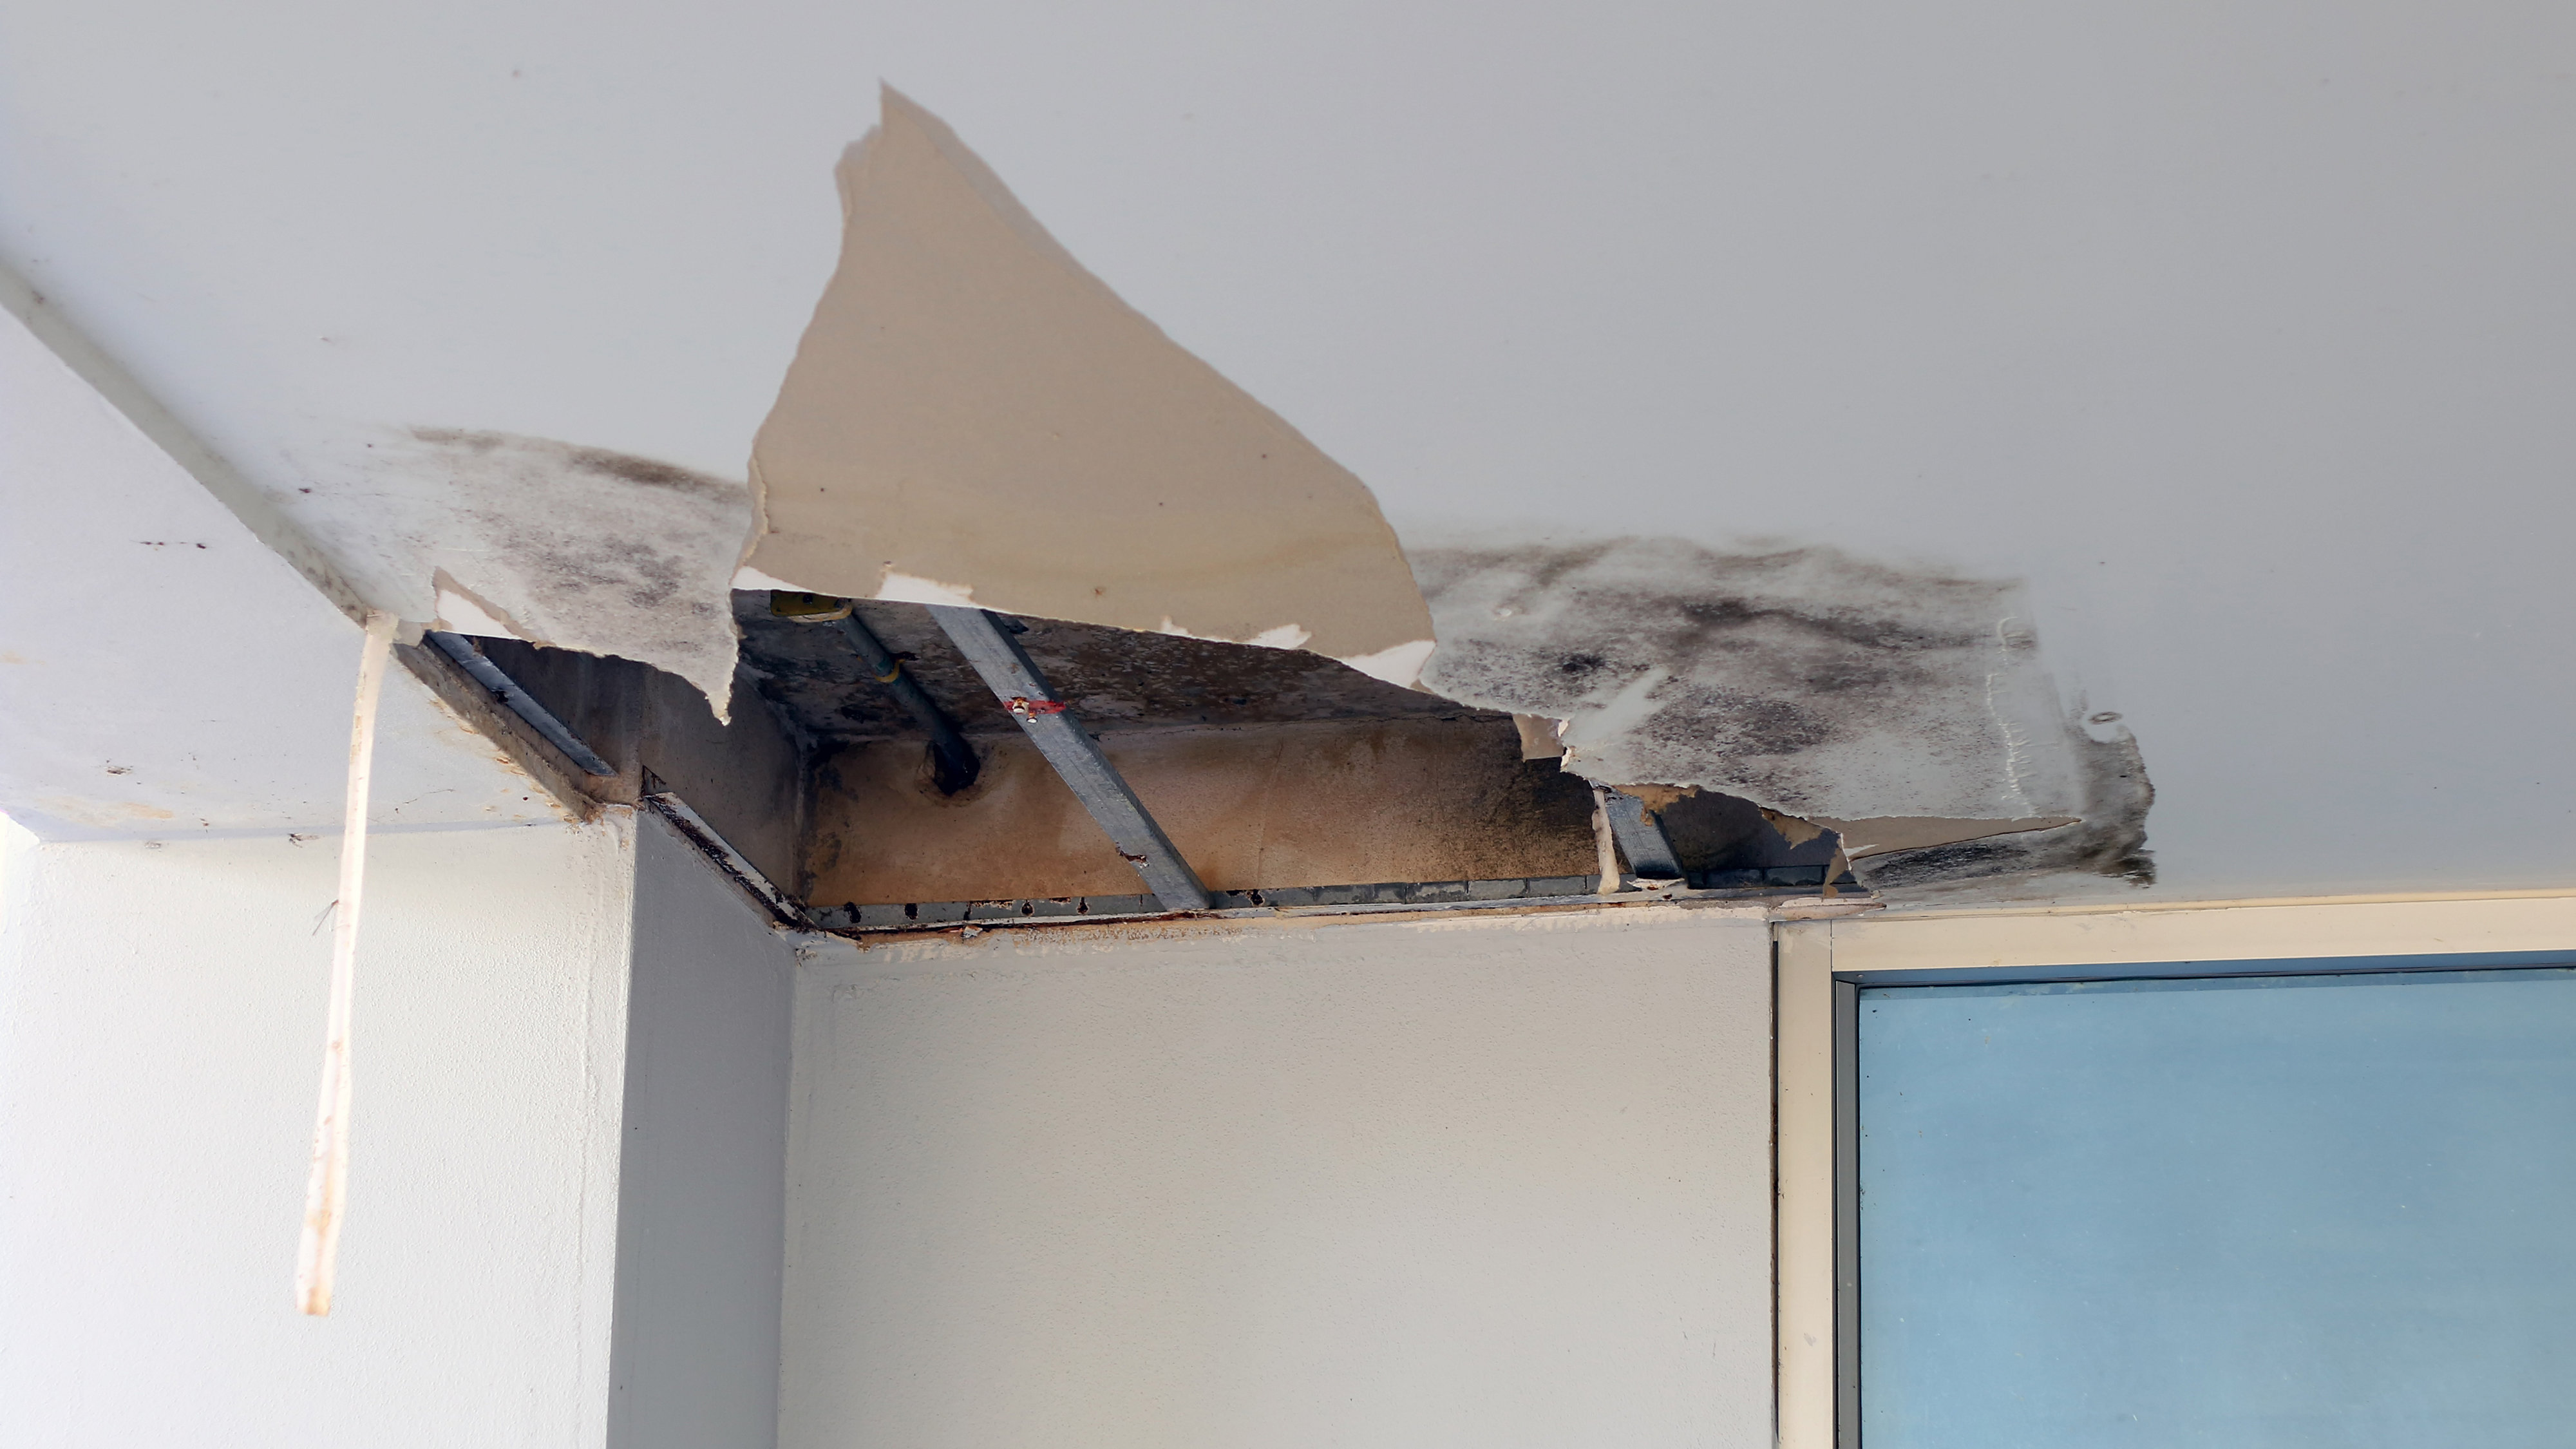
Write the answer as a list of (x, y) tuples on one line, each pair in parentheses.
[(2280, 1212)]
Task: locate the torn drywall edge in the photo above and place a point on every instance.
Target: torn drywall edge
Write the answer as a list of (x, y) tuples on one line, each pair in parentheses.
[(972, 418), (462, 611), (1818, 685), (1397, 664), (552, 543), (1804, 679), (1887, 835), (2108, 840), (1543, 738)]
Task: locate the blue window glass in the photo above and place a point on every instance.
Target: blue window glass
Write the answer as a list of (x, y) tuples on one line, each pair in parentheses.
[(2288, 1212)]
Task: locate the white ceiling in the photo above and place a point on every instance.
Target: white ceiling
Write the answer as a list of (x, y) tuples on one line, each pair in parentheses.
[(2243, 332), (164, 675)]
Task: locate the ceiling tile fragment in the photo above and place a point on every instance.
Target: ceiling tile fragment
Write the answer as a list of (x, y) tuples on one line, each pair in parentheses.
[(1813, 682), (972, 417), (551, 542)]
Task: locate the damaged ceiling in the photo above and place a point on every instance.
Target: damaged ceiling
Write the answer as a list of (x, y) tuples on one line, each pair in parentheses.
[(572, 547), (1919, 406), (1821, 686), (1271, 769), (973, 418), (1115, 678)]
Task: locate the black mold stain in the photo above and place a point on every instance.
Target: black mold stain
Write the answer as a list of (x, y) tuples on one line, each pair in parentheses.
[(2110, 840), (1809, 680), (646, 471), (573, 457), (1771, 656), (586, 548)]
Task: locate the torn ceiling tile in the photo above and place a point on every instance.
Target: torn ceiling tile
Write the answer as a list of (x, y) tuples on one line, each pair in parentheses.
[(1811, 682), (973, 418), (557, 544), (2108, 840)]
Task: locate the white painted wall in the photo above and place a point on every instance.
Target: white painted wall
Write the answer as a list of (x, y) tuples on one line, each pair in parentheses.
[(1482, 1184), (702, 1178), (160, 1040)]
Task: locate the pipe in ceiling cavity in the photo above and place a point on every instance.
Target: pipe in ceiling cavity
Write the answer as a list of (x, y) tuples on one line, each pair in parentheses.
[(973, 418)]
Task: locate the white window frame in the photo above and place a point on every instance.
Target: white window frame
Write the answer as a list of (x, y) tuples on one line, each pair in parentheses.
[(1808, 954)]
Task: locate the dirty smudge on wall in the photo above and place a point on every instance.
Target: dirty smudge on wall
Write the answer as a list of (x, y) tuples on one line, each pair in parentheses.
[(972, 417), (554, 543), (1804, 679)]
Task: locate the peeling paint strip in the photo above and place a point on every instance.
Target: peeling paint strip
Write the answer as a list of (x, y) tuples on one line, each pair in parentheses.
[(326, 1188), (1605, 842)]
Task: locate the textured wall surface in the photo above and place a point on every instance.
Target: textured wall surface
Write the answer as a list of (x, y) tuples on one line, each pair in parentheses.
[(160, 1034), (1469, 1183)]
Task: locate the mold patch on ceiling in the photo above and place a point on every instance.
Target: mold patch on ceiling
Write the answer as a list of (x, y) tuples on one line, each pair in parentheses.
[(974, 418), (2109, 839), (557, 544), (1885, 701)]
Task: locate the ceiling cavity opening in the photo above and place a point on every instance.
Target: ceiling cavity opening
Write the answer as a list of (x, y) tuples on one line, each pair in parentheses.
[(872, 778)]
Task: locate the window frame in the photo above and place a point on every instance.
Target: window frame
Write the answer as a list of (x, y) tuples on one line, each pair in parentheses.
[(1819, 966)]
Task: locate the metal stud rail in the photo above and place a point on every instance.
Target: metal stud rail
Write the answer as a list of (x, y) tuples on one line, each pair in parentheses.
[(986, 639)]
